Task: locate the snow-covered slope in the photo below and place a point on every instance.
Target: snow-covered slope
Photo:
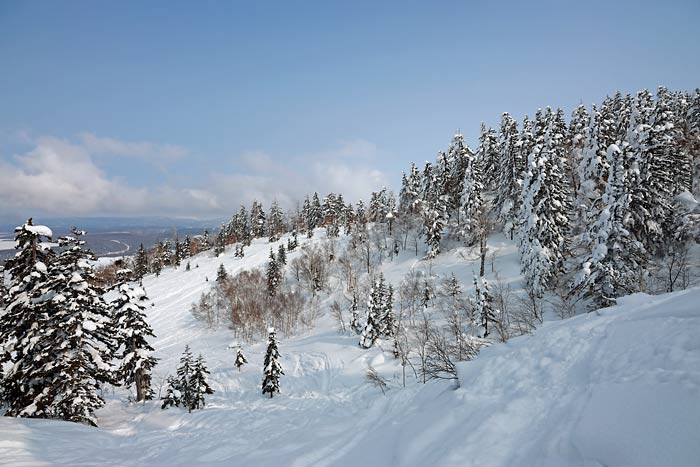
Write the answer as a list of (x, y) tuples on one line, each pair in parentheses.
[(618, 387)]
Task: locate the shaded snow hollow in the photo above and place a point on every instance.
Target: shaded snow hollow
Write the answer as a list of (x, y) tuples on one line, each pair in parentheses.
[(617, 387)]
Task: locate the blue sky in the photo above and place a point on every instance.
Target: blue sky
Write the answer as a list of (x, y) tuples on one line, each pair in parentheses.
[(189, 108)]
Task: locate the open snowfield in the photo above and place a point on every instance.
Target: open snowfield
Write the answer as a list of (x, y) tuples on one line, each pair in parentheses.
[(618, 387)]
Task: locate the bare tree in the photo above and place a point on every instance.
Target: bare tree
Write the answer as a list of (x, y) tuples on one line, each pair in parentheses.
[(376, 379), (337, 313)]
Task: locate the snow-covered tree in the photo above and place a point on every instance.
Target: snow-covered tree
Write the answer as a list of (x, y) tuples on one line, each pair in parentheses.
[(509, 175), (240, 358), (484, 306), (544, 217), (354, 315), (23, 321), (141, 262), (199, 385), (272, 368), (189, 385), (273, 275), (221, 274), (472, 198), (616, 256), (257, 220), (70, 355), (487, 154), (376, 311), (275, 223), (134, 351)]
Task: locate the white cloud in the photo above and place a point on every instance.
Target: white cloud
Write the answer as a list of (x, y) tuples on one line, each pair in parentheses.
[(348, 170), (60, 177)]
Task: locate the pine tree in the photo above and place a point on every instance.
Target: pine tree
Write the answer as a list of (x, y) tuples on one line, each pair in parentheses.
[(388, 320), (134, 350), (187, 247), (221, 274), (472, 200), (240, 358), (273, 275), (22, 322), (166, 253), (544, 218), (612, 266), (488, 156), (220, 242), (576, 140), (315, 214), (457, 160), (275, 224), (198, 385), (281, 255), (189, 385), (204, 242), (510, 168), (354, 315), (272, 368), (375, 314), (72, 357), (485, 309), (141, 263), (177, 258)]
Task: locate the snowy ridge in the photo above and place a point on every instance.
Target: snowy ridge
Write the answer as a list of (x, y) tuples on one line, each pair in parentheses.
[(616, 387)]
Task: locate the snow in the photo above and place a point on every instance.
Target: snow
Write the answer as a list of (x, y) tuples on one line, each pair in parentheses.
[(39, 230), (616, 387)]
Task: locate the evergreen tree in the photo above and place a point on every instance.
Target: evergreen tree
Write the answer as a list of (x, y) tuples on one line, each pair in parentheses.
[(221, 274), (166, 253), (189, 385), (220, 242), (240, 358), (71, 358), (275, 224), (187, 247), (509, 180), (485, 309), (272, 368), (198, 384), (456, 162), (375, 314), (281, 255), (315, 214), (488, 156), (544, 218), (23, 323), (257, 220), (273, 275), (576, 140), (612, 266), (141, 263), (472, 200), (388, 321), (205, 242), (177, 258), (354, 315), (134, 350), (306, 216)]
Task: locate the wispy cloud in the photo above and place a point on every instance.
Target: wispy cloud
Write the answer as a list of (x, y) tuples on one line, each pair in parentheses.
[(97, 145)]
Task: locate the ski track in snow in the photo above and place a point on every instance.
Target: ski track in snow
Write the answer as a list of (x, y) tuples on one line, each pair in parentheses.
[(616, 387)]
